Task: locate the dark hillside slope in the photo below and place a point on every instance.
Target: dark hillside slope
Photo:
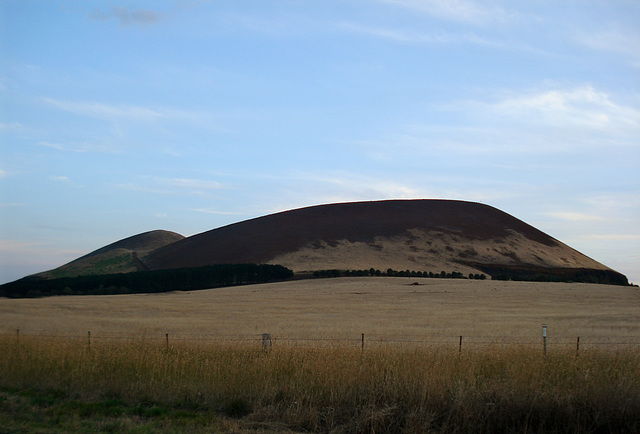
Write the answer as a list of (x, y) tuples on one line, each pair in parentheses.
[(403, 234), (263, 238)]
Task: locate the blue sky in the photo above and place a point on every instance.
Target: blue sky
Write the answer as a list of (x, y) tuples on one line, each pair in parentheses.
[(121, 117)]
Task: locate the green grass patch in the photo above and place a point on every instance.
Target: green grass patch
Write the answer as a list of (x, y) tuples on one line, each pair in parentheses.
[(34, 411)]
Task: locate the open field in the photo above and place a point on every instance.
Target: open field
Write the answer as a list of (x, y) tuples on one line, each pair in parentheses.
[(207, 380), (379, 307)]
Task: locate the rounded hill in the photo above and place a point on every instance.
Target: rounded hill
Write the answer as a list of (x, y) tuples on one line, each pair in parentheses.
[(425, 235), (123, 256)]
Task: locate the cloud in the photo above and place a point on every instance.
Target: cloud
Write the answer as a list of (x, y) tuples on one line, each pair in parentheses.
[(13, 126), (582, 106), (106, 111), (127, 17), (11, 245), (612, 40), (613, 237), (80, 148), (574, 116), (60, 178), (214, 211), (19, 258), (455, 10), (61, 147), (416, 37), (30, 247), (122, 113), (175, 186), (574, 216), (192, 183)]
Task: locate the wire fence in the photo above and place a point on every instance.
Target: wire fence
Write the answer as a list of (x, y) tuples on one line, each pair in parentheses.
[(362, 341)]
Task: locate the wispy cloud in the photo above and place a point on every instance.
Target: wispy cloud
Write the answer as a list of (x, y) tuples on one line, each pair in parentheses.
[(613, 237), (582, 106), (76, 147), (215, 211), (60, 178), (455, 10), (12, 126), (613, 40), (574, 216), (32, 247), (123, 113), (12, 245), (191, 183), (174, 186), (413, 37), (127, 17), (107, 111)]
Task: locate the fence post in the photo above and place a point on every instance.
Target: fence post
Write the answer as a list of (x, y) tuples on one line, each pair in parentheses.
[(266, 342), (460, 346), (362, 350), (167, 336), (17, 335), (577, 346), (89, 339), (544, 340)]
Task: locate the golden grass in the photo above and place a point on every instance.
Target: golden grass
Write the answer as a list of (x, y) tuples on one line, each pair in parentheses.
[(409, 378), (339, 389), (381, 308)]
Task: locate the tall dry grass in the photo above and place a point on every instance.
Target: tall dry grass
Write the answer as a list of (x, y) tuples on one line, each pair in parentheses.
[(341, 389)]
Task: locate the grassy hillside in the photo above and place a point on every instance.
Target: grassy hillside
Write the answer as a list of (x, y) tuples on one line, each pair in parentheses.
[(123, 256)]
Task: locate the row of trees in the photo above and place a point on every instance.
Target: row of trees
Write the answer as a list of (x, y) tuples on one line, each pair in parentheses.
[(182, 279), (394, 273)]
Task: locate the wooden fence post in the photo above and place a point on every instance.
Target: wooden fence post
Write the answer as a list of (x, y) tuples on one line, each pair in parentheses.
[(577, 346), (362, 350), (460, 345), (167, 336), (89, 339), (266, 342), (17, 335), (544, 340)]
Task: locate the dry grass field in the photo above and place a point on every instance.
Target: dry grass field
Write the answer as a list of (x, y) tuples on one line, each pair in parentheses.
[(410, 377), (382, 308)]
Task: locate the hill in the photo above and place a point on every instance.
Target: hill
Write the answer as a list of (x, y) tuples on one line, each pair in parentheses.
[(119, 257), (417, 235), (425, 235)]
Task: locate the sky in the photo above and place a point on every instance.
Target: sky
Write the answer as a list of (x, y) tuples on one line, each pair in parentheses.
[(121, 117)]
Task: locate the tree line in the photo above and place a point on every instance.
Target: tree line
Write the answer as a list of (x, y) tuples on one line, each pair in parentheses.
[(390, 272), (181, 279)]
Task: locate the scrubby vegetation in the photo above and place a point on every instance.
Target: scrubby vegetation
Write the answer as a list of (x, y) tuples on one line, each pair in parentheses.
[(537, 274), (498, 272), (390, 272), (56, 384), (183, 279)]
